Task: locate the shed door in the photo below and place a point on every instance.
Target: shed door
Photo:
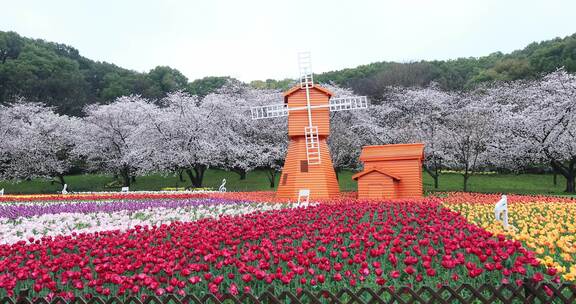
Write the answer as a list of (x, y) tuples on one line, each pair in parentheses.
[(375, 191)]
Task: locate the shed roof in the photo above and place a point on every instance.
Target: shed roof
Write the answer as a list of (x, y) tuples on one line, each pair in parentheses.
[(297, 88), (392, 152), (379, 170)]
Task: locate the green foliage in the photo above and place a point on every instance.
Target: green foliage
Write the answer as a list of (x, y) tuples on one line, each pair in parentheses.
[(166, 79), (57, 75), (284, 84), (534, 60), (206, 85)]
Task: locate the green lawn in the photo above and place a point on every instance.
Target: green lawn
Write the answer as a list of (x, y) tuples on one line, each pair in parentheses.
[(509, 183)]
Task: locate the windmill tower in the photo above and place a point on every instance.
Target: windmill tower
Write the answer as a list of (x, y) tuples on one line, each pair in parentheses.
[(308, 164)]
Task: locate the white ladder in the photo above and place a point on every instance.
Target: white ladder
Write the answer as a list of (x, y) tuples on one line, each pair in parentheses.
[(305, 68), (312, 145)]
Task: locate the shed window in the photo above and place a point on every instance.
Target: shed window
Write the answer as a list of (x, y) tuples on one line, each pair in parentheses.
[(303, 166), (284, 179)]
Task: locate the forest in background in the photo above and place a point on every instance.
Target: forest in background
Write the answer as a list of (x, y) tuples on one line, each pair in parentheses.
[(57, 75)]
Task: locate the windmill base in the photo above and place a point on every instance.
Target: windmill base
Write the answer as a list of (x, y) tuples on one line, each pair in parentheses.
[(320, 179)]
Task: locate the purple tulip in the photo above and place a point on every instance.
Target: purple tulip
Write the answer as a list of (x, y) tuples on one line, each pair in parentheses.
[(15, 211)]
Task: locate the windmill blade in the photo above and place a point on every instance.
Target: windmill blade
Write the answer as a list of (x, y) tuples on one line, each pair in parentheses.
[(348, 103), (306, 77), (271, 111)]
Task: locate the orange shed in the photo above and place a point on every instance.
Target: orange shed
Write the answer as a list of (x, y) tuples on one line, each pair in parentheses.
[(391, 171)]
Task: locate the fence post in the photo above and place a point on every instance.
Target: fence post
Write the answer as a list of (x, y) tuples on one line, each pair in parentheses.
[(528, 291), (23, 296)]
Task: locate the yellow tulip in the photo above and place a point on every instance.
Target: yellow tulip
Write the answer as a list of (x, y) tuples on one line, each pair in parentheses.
[(546, 228)]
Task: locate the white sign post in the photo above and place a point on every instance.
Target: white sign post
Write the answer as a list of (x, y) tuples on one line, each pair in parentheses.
[(64, 189), (125, 189), (501, 211)]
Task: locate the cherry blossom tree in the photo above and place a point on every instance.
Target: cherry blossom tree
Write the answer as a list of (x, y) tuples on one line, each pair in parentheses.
[(468, 132), (510, 125), (420, 118), (246, 142), (184, 136), (111, 137), (349, 132), (267, 140), (271, 142), (7, 134), (540, 124), (35, 141)]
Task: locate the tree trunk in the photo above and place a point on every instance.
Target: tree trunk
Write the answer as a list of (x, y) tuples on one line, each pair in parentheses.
[(61, 179), (240, 172), (337, 171), (570, 184), (181, 175), (125, 174), (434, 174), (568, 171), (271, 174), (466, 176), (133, 179), (190, 175), (570, 177), (196, 175), (125, 180), (555, 178)]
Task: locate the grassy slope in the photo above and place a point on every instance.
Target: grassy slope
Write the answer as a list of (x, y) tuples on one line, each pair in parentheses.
[(525, 183)]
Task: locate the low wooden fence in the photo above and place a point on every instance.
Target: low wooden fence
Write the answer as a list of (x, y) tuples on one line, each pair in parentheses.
[(465, 294)]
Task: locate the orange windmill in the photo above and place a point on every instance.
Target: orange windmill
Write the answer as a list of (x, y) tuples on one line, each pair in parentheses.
[(308, 165)]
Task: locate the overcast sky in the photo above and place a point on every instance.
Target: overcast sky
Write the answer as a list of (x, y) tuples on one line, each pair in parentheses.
[(257, 39)]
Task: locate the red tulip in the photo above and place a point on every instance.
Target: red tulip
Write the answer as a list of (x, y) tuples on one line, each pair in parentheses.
[(246, 278), (352, 282), (233, 289), (409, 270), (537, 277)]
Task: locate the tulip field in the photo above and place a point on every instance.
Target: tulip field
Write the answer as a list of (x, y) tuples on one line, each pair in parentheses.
[(546, 225), (198, 243)]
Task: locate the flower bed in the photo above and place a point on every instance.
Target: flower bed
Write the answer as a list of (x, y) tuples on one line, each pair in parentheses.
[(545, 224), (330, 246), (29, 210), (256, 196), (24, 221), (101, 196)]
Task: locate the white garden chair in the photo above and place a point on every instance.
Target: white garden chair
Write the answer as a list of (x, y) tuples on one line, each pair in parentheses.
[(303, 193)]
